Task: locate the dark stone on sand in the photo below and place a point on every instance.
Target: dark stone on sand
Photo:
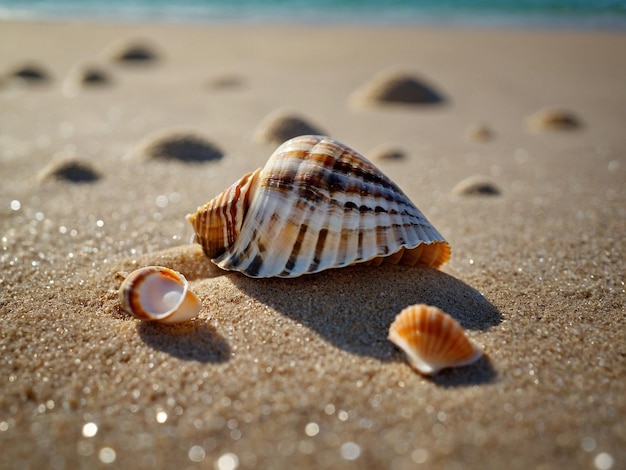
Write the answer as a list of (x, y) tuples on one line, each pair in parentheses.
[(476, 186), (283, 125), (396, 88), (71, 170), (179, 145)]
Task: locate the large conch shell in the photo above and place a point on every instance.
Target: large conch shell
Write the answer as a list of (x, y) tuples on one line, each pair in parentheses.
[(432, 340), (315, 205), (158, 293)]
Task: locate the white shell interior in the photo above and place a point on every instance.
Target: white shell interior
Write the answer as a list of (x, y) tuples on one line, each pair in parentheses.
[(161, 295)]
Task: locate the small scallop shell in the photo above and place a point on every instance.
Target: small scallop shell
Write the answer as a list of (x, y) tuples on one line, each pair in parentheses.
[(432, 339), (315, 205), (160, 294)]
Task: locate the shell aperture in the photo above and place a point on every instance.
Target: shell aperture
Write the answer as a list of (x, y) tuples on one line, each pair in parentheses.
[(157, 293)]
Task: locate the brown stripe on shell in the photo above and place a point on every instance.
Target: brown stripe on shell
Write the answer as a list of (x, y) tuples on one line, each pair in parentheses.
[(254, 267), (295, 250), (340, 177), (132, 297), (217, 223), (319, 249)]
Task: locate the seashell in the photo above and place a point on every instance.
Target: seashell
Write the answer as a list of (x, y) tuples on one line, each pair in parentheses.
[(553, 119), (178, 144), (133, 51), (282, 125), (28, 74), (396, 88), (70, 170), (158, 293), (315, 205), (432, 339), (476, 186), (387, 153), (84, 77)]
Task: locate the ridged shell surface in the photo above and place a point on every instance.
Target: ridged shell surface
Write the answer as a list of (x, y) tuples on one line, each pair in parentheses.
[(315, 205), (432, 339)]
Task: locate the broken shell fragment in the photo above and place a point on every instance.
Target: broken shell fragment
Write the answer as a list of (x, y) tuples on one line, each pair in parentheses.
[(432, 340), (160, 294), (315, 205)]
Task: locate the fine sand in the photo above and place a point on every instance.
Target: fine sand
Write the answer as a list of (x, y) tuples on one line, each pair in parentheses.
[(111, 134)]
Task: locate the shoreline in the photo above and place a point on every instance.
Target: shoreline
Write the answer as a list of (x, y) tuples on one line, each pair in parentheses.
[(540, 21)]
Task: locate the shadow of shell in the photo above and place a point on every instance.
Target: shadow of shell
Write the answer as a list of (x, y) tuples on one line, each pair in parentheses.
[(480, 372), (353, 307), (189, 341)]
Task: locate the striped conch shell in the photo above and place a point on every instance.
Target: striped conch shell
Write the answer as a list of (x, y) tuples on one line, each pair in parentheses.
[(315, 205), (432, 340), (157, 293)]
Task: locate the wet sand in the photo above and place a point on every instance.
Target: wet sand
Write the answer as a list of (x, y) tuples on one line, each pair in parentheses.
[(276, 373)]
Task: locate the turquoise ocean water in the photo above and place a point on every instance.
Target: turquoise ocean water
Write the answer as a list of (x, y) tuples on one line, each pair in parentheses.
[(596, 14)]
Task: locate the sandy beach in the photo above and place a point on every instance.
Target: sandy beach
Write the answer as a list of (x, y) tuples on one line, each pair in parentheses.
[(111, 133)]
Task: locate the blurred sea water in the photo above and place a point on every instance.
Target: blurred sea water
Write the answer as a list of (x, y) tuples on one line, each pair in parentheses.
[(596, 14)]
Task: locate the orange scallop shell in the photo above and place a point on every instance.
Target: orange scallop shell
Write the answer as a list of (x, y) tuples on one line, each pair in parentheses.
[(432, 339)]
